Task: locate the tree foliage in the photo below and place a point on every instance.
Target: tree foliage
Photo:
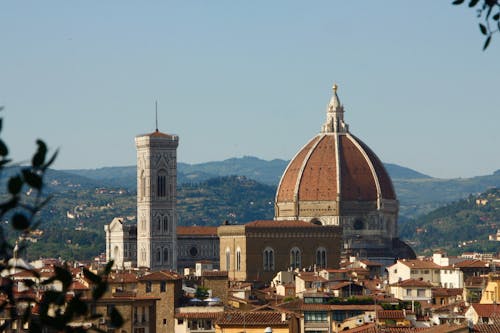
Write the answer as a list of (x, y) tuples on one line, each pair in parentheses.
[(488, 13), (24, 200)]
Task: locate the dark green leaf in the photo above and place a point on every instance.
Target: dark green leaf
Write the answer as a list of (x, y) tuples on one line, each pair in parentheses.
[(20, 222), (99, 290), (91, 276), (487, 42), (483, 29), (79, 306), (457, 2), (35, 327), (496, 16), (472, 3), (115, 318), (15, 185), (51, 160), (4, 161), (32, 179), (39, 157), (108, 267), (64, 276), (4, 151)]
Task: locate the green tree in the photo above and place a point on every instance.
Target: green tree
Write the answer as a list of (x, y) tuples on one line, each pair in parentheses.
[(25, 200), (488, 13)]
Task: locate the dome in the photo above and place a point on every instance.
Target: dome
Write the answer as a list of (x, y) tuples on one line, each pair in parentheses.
[(336, 179)]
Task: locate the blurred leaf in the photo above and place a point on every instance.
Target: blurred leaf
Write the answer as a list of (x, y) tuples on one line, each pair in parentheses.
[(457, 2), (4, 151), (496, 16), (39, 157), (472, 3), (32, 179), (91, 276), (35, 327), (487, 42), (20, 222), (116, 318), (15, 185), (4, 161), (99, 290), (64, 276), (51, 160), (483, 29), (79, 306), (108, 267)]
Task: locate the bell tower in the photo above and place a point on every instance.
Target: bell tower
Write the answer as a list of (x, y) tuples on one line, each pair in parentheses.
[(156, 200)]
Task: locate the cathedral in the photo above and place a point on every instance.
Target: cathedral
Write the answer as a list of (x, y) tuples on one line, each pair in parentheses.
[(336, 179), (335, 197)]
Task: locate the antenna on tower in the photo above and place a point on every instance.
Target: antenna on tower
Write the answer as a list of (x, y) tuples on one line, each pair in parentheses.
[(156, 114)]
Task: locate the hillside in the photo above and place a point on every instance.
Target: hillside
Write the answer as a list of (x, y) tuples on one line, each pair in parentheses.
[(463, 225), (73, 220), (417, 193)]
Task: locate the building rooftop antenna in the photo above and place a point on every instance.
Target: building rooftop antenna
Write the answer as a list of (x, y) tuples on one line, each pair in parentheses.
[(156, 114)]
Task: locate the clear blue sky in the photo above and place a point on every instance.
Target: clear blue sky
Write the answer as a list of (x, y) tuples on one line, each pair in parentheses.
[(235, 78)]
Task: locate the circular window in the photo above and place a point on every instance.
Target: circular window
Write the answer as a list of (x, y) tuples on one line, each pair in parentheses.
[(358, 224), (193, 251)]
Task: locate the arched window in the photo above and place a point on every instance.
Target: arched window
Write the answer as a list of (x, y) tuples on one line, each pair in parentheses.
[(228, 259), (158, 224), (116, 253), (295, 258), (238, 259), (268, 259), (165, 255), (321, 257), (161, 184), (165, 223), (158, 255)]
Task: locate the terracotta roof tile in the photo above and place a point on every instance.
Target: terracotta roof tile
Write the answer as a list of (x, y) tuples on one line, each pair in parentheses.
[(160, 276), (281, 224), (475, 263), (486, 310), (419, 264), (391, 314), (413, 283), (259, 318)]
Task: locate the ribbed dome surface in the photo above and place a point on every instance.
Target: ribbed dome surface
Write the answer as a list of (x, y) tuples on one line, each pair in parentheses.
[(335, 167)]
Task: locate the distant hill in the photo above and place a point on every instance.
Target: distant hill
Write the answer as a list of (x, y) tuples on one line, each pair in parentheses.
[(399, 172), (418, 193), (462, 225)]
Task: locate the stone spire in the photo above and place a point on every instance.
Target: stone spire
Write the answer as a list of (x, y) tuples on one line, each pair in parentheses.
[(335, 115)]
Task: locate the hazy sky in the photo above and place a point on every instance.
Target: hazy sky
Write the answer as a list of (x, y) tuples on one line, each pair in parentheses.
[(235, 78)]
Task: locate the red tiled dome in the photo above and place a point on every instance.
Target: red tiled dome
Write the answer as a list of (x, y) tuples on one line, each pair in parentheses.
[(333, 167), (316, 174)]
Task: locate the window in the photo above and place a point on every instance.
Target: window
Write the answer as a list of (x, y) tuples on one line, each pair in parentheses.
[(295, 257), (165, 255), (148, 286), (268, 259), (158, 255), (315, 317), (228, 259), (238, 259), (408, 292), (165, 224), (163, 286), (421, 292), (321, 257), (161, 184)]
